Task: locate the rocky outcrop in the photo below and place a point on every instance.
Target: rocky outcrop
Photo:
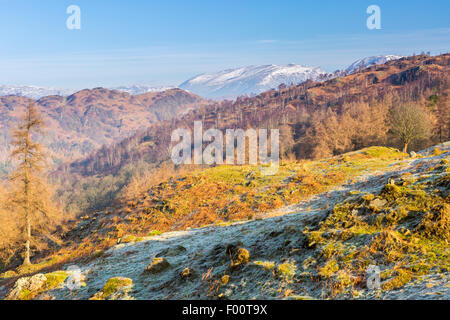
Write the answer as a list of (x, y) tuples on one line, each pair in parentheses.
[(25, 288), (117, 288), (157, 265)]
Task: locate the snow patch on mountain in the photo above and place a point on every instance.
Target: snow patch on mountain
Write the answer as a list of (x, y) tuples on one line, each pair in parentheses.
[(140, 89), (33, 92), (36, 92), (369, 61), (250, 80)]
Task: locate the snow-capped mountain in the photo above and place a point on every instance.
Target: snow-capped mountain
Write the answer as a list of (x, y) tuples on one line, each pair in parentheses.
[(36, 92), (139, 89), (33, 92), (229, 83), (249, 80), (369, 61)]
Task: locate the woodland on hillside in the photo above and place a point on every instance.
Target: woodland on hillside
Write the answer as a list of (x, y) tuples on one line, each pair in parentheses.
[(84, 121)]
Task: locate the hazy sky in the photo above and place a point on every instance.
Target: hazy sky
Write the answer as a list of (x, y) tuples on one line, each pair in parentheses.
[(166, 42)]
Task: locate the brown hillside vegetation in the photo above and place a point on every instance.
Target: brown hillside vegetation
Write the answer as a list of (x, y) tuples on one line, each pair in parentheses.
[(168, 200), (10, 231), (84, 121)]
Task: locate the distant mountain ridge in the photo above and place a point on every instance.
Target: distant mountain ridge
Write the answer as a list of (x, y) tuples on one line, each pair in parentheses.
[(37, 92), (225, 84), (33, 92), (141, 88)]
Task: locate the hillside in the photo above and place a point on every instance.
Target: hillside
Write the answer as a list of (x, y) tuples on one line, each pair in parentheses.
[(309, 232), (84, 121), (307, 115)]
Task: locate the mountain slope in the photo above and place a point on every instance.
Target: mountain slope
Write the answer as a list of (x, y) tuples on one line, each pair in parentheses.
[(250, 80), (391, 210)]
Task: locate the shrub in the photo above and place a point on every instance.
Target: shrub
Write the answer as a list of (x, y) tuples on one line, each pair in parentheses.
[(241, 256), (287, 271)]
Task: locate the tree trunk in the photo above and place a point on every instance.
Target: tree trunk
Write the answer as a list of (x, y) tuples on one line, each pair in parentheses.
[(405, 148), (27, 260)]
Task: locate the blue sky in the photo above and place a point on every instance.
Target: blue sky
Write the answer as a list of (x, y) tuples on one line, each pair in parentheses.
[(166, 42)]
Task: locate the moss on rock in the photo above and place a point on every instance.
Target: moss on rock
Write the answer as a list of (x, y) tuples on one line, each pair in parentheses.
[(157, 265), (116, 288)]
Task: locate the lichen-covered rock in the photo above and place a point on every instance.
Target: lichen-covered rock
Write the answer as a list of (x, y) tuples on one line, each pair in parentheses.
[(157, 265), (8, 274), (56, 279), (231, 248), (368, 197), (187, 274), (391, 192), (225, 279), (117, 288), (377, 203), (27, 287)]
